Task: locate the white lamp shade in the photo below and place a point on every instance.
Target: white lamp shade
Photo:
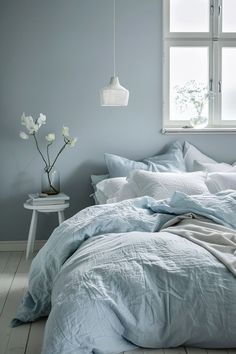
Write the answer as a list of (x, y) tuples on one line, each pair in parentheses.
[(114, 94)]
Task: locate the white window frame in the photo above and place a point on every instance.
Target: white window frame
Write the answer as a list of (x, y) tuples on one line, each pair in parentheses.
[(215, 40)]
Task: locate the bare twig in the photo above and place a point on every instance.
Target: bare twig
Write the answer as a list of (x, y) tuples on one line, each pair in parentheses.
[(66, 142), (37, 145), (48, 145)]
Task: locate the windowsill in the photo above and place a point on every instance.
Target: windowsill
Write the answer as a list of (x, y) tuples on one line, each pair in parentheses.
[(199, 131)]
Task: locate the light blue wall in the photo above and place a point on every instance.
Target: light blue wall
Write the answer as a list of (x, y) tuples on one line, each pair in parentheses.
[(55, 55)]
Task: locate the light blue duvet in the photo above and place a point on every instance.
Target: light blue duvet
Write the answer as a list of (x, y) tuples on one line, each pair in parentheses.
[(111, 280)]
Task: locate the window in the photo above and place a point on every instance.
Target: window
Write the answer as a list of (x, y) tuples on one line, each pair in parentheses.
[(199, 76)]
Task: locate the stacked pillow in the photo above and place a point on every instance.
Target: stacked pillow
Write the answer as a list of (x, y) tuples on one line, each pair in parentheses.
[(172, 160), (98, 196), (192, 154), (107, 188), (178, 167), (195, 160), (162, 185), (214, 167), (219, 181)]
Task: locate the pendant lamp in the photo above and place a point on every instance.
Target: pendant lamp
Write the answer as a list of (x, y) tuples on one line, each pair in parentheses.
[(114, 94)]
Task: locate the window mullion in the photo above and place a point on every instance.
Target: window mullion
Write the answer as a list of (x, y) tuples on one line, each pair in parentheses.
[(215, 60), (213, 24), (217, 77), (217, 64), (217, 18), (211, 83)]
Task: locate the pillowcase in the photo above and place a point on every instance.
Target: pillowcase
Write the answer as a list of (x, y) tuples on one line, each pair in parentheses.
[(172, 160), (163, 185), (191, 154), (121, 167), (128, 191), (98, 197), (109, 187), (217, 182), (213, 167), (98, 178)]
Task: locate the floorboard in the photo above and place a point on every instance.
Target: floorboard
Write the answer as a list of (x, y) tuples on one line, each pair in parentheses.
[(196, 351), (35, 340), (14, 340), (7, 275)]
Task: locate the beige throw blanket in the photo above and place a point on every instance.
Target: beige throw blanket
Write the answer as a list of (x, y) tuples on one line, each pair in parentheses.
[(217, 239)]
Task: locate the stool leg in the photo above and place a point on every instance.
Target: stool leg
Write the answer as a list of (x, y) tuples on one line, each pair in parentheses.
[(32, 233), (61, 216)]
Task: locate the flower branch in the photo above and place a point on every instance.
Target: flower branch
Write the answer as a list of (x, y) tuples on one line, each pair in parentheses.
[(32, 128)]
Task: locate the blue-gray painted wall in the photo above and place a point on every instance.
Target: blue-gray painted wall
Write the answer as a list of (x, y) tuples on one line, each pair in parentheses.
[(55, 55)]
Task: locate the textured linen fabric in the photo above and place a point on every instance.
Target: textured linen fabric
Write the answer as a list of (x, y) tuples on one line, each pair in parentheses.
[(128, 191), (163, 185), (121, 167), (217, 182), (111, 281), (217, 239), (213, 167), (172, 161), (109, 187), (191, 154), (98, 196)]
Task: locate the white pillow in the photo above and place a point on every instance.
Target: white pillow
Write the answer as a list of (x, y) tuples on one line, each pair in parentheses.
[(128, 191), (191, 154), (213, 167), (217, 182), (99, 197), (107, 188), (163, 185)]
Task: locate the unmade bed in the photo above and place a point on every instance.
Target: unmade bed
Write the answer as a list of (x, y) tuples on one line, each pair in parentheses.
[(154, 274)]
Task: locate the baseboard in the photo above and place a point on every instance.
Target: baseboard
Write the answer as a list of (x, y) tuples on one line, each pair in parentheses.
[(14, 246)]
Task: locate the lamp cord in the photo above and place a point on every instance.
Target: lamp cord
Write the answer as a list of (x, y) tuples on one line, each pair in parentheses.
[(114, 38)]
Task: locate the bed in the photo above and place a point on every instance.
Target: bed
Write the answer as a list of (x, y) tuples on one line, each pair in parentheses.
[(140, 272)]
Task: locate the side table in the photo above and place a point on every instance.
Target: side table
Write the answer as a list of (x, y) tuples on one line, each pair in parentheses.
[(58, 208)]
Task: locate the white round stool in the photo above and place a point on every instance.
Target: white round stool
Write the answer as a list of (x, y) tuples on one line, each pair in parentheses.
[(58, 208)]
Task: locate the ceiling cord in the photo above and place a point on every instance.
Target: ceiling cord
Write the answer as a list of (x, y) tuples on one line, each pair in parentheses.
[(114, 38)]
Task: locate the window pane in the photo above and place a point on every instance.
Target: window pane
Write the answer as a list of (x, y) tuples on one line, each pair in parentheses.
[(228, 16), (188, 72), (189, 15), (228, 84)]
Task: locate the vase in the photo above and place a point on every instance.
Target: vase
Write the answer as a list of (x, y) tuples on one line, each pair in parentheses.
[(50, 182), (199, 122)]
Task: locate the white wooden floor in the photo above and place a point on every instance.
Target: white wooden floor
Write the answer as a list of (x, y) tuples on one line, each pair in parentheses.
[(27, 339)]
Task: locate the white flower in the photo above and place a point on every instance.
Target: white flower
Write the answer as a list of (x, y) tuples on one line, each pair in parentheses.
[(72, 142), (28, 122), (24, 136), (50, 137), (65, 132), (193, 93), (41, 119), (23, 119)]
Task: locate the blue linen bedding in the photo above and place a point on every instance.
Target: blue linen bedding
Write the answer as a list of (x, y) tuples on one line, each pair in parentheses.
[(111, 282)]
